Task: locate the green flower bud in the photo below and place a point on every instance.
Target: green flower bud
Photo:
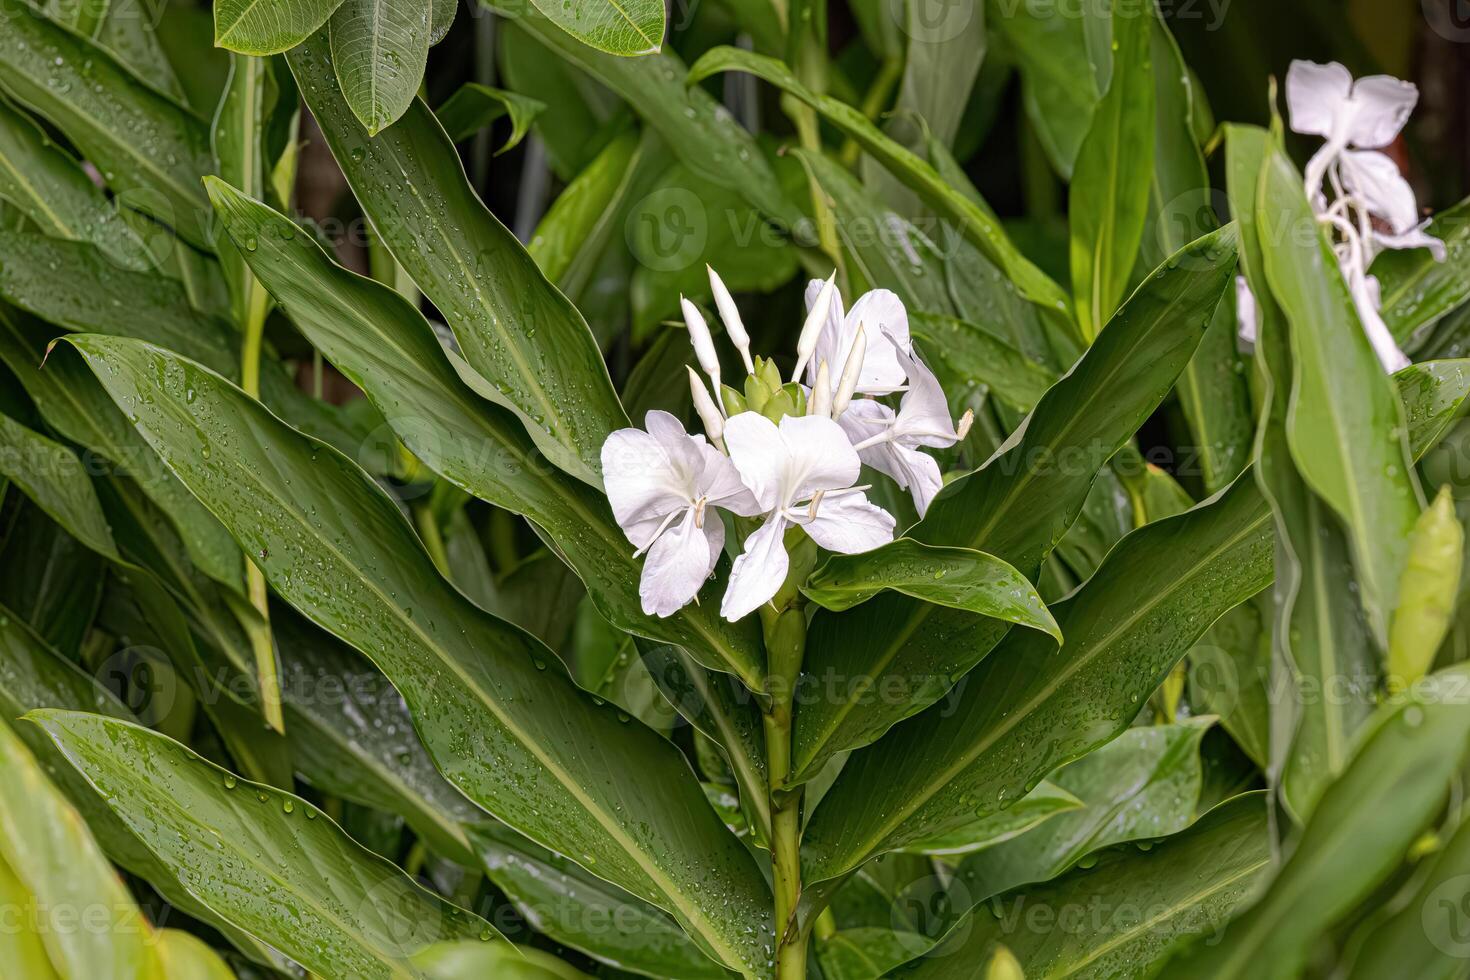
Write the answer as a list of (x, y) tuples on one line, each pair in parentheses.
[(1427, 590)]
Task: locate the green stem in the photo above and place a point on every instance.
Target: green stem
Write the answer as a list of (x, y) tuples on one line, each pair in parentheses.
[(873, 102), (783, 621), (261, 643)]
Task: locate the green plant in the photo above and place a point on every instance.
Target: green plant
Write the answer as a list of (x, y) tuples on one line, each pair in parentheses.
[(1009, 596)]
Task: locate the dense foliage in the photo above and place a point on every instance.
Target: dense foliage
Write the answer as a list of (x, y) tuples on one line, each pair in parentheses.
[(762, 488)]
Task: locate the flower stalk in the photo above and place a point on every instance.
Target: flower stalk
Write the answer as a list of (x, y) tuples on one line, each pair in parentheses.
[(783, 622)]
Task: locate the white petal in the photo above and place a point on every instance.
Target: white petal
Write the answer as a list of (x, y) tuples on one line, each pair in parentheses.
[(850, 524), (1415, 237), (640, 482), (760, 456), (887, 323), (704, 344), (678, 563), (1381, 106), (821, 457), (1366, 298), (1247, 314), (1316, 95), (683, 449), (923, 412), (759, 571), (1375, 178), (921, 476), (720, 482)]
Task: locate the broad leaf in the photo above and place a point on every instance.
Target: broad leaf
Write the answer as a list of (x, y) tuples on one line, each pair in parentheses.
[(472, 107), (493, 710), (698, 129), (1108, 198), (973, 352), (1031, 706), (1396, 783), (976, 224), (55, 192), (1045, 801), (380, 49), (1016, 508), (514, 327), (1059, 88), (1144, 900), (266, 860), (1417, 290), (1345, 425), (560, 900), (149, 149), (1143, 784), (959, 578), (269, 26), (630, 27), (376, 338)]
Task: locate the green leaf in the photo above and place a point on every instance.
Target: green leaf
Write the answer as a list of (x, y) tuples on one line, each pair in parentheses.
[(1059, 88), (726, 714), (474, 961), (76, 408), (867, 953), (1143, 901), (268, 26), (380, 49), (472, 107), (52, 476), (35, 676), (55, 192), (1142, 785), (1417, 934), (1417, 291), (128, 31), (49, 579), (976, 224), (974, 353), (1408, 755), (376, 338), (492, 709), (1173, 577), (1045, 801), (514, 327), (266, 860), (238, 139), (1016, 508), (697, 127), (959, 578), (352, 736), (149, 149), (182, 954), (1433, 393), (560, 900), (1108, 199), (1345, 425), (627, 28), (1428, 591), (1318, 637), (1213, 391), (47, 848)]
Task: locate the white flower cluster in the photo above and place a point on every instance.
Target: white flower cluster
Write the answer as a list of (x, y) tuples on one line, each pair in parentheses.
[(789, 452), (1372, 206)]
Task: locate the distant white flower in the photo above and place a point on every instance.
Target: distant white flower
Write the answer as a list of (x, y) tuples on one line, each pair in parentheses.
[(1247, 313), (1372, 206), (886, 322), (663, 485), (801, 473), (889, 442)]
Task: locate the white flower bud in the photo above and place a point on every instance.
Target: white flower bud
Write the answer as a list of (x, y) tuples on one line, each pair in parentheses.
[(816, 319), (820, 402), (730, 315), (851, 372), (704, 344), (714, 422)]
